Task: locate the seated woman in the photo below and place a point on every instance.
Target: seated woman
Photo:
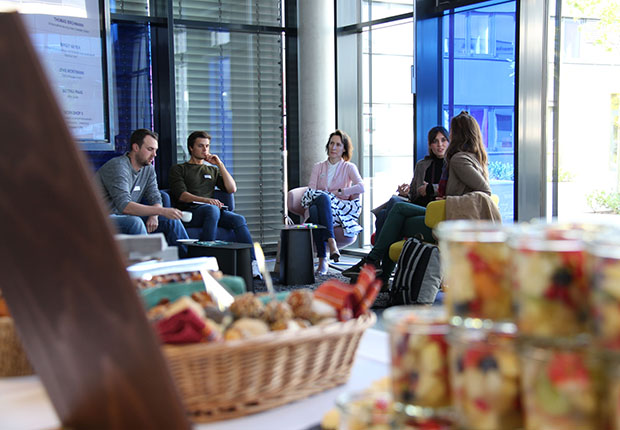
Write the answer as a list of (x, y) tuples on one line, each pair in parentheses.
[(425, 181), (332, 196), (467, 172)]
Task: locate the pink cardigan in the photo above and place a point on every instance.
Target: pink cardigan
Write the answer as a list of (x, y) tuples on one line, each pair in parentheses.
[(347, 178)]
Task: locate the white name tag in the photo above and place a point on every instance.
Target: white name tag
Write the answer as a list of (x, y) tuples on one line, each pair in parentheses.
[(136, 188), (207, 176)]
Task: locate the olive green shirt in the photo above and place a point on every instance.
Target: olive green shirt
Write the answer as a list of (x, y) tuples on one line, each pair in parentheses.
[(197, 179)]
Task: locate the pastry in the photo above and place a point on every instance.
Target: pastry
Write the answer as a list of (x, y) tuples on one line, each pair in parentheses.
[(246, 328), (300, 302), (247, 306), (277, 311)]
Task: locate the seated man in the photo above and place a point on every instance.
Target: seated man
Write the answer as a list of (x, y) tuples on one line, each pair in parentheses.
[(192, 184), (127, 180)]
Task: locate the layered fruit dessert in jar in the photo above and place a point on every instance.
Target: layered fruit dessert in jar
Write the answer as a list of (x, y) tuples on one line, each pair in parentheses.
[(374, 409), (603, 258), (485, 374), (365, 410), (475, 257), (550, 281), (612, 393), (419, 356), (561, 388)]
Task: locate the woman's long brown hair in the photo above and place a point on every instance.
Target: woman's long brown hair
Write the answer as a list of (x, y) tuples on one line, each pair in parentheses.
[(465, 136)]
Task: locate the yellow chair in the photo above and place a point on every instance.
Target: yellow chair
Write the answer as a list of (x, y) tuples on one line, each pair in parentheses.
[(435, 213)]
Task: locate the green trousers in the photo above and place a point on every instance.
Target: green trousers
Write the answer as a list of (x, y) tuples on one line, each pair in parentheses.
[(404, 220)]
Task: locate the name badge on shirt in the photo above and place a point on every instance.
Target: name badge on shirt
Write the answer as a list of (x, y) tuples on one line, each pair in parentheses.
[(207, 176), (136, 188)]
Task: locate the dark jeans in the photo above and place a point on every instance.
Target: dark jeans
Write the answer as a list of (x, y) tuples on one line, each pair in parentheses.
[(171, 228), (209, 217), (404, 220), (383, 214), (321, 214)]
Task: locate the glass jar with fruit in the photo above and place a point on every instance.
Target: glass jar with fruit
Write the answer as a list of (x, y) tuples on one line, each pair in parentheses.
[(419, 360), (474, 260), (603, 262), (485, 372), (550, 280), (561, 382)]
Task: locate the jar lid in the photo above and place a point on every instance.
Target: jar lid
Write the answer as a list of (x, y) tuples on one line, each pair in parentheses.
[(605, 243), (555, 236), (472, 231), (430, 319)]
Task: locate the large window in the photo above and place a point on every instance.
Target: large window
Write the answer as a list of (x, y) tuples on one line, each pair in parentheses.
[(387, 112), (383, 32), (584, 175), (226, 79), (479, 45), (230, 84), (465, 61)]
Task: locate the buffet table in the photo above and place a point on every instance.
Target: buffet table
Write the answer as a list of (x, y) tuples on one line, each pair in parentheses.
[(24, 404)]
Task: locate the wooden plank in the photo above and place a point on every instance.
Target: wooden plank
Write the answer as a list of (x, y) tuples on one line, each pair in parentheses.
[(75, 308)]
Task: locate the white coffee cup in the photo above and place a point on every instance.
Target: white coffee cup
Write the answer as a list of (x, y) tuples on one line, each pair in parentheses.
[(187, 216)]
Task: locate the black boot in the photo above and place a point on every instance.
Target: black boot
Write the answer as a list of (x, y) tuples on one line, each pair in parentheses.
[(385, 277), (354, 271)]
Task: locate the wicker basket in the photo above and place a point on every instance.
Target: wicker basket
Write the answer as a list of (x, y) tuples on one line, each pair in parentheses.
[(13, 360), (236, 378)]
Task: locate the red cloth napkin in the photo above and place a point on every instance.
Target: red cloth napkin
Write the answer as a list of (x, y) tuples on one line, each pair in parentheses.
[(182, 327), (351, 300)]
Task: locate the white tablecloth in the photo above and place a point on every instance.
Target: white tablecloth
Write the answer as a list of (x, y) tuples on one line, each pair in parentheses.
[(24, 404)]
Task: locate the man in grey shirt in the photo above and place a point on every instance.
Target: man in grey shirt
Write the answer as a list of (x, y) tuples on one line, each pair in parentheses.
[(130, 179)]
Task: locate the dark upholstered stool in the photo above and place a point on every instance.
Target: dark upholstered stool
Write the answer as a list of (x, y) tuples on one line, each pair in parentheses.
[(296, 255), (232, 258)]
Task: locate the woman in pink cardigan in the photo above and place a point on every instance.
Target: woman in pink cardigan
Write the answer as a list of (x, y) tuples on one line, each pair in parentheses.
[(338, 203)]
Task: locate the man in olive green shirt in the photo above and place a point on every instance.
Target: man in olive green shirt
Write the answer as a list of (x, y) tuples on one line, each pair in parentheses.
[(192, 184)]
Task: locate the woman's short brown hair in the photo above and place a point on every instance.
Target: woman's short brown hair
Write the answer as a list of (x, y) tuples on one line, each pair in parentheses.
[(346, 142)]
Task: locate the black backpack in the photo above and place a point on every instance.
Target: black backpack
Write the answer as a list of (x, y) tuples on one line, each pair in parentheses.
[(418, 277)]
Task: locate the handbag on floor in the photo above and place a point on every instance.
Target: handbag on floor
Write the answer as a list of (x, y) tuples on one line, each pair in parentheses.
[(418, 277)]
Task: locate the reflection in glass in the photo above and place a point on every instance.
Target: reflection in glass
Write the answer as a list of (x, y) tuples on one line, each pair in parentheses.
[(479, 77)]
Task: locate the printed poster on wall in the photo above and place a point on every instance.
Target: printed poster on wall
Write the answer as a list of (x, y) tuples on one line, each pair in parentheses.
[(67, 36)]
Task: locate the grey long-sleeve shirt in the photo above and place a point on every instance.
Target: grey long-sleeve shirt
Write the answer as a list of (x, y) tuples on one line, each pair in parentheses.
[(121, 184)]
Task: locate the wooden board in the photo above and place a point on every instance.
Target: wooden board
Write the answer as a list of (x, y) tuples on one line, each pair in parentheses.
[(76, 310)]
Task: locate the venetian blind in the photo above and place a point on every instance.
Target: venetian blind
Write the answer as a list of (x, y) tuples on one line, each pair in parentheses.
[(132, 7), (229, 84)]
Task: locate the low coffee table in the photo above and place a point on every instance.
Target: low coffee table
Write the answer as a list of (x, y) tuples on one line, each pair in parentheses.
[(297, 254), (232, 258)]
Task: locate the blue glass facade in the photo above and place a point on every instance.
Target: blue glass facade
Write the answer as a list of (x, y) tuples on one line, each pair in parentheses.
[(467, 61), (133, 91)]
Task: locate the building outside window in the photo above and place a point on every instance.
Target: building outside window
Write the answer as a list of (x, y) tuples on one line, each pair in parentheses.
[(479, 45), (585, 179)]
